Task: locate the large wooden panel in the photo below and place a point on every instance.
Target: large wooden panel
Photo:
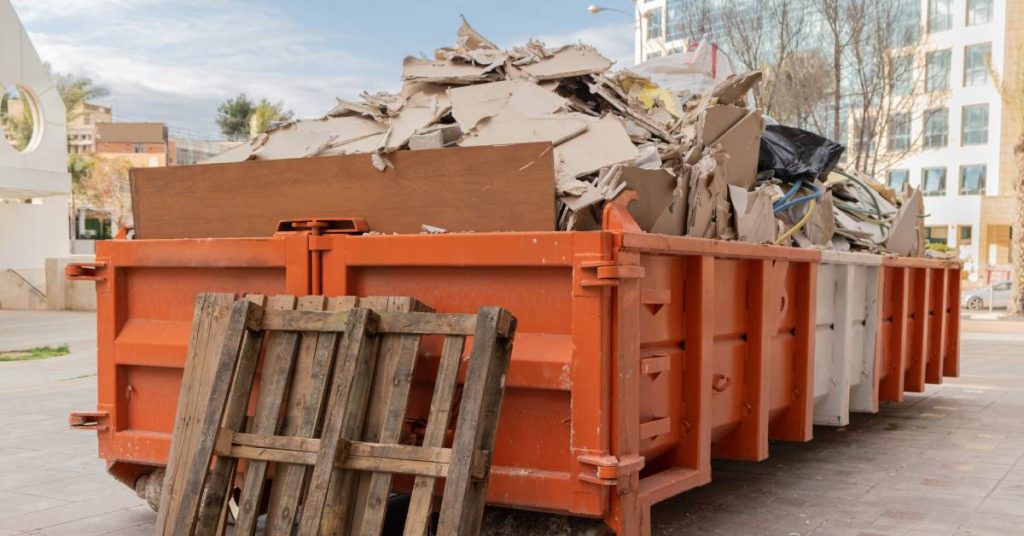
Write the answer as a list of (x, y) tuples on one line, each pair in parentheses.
[(493, 188)]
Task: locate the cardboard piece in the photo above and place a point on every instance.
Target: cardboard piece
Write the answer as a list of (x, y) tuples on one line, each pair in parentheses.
[(755, 221), (509, 188)]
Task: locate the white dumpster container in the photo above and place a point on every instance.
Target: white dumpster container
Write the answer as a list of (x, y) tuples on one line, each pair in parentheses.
[(845, 361)]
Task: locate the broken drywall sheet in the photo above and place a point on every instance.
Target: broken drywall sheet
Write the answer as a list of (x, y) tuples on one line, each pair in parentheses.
[(604, 143), (571, 60), (661, 207), (404, 125), (472, 104), (311, 138), (738, 132), (708, 206), (822, 226), (442, 71), (735, 89), (435, 137), (755, 221), (902, 238), (511, 127)]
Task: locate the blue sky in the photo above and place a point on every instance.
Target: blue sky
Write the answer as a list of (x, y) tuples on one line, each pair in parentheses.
[(176, 60)]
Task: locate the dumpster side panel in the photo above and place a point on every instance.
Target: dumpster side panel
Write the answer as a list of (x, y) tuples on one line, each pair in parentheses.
[(555, 412), (145, 301)]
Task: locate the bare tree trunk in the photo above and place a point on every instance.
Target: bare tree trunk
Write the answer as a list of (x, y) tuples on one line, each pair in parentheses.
[(1016, 306)]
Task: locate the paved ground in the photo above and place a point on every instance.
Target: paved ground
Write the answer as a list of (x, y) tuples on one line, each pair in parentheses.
[(947, 462)]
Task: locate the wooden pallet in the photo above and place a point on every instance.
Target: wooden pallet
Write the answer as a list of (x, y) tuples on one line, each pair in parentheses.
[(329, 409)]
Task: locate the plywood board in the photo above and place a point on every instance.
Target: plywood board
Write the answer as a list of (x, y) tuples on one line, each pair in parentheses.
[(494, 188)]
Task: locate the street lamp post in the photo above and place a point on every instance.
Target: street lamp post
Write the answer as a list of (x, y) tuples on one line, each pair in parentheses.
[(594, 9)]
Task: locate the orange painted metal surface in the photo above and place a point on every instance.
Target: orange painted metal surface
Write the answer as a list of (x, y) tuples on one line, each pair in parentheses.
[(919, 336), (638, 357)]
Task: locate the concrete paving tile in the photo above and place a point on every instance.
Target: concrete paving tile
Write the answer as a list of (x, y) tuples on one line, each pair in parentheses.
[(1011, 507), (138, 520), (12, 504)]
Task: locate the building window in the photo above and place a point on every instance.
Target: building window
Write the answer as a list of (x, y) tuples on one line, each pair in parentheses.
[(979, 12), (139, 148), (902, 75), (937, 70), (899, 132), (940, 15), (972, 179), (938, 234), (974, 125), (654, 24), (976, 59), (933, 181), (898, 178), (936, 128), (675, 16), (966, 235)]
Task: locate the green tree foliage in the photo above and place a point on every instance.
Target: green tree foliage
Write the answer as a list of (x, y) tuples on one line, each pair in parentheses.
[(265, 114), (76, 90), (242, 117), (16, 119), (233, 116)]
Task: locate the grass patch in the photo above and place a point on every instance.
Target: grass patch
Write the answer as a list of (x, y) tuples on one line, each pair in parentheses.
[(40, 352)]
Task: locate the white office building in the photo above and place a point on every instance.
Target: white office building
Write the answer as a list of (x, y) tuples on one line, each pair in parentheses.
[(964, 162)]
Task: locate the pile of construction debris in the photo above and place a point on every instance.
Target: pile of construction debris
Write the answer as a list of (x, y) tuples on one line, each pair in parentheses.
[(689, 150)]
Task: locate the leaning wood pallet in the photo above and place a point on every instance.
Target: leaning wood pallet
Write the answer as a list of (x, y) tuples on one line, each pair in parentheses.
[(330, 402)]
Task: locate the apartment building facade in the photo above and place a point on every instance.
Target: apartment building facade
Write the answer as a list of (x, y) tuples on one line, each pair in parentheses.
[(963, 160)]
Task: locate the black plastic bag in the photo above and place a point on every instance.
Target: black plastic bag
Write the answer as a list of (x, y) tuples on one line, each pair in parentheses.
[(793, 154)]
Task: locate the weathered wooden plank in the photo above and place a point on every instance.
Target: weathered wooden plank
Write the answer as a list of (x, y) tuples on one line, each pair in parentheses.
[(231, 414), (437, 424), (278, 361), (411, 323), (197, 365), (306, 400), (346, 412), (499, 188), (463, 504), (207, 413)]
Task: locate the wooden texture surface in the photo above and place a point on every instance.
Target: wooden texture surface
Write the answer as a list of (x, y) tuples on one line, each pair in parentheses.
[(493, 188)]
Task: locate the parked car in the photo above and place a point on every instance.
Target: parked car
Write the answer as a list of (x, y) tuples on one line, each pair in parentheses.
[(997, 296)]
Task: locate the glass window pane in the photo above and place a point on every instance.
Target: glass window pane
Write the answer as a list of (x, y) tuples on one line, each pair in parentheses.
[(940, 15), (972, 180), (976, 59), (934, 181), (936, 128), (974, 125), (937, 70), (979, 12), (898, 178), (899, 132), (654, 24)]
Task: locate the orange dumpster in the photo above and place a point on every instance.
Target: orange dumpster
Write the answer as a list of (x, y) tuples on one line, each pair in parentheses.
[(638, 356)]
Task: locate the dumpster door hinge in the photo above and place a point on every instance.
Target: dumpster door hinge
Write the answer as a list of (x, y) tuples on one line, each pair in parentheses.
[(608, 273), (84, 271), (608, 469), (89, 420)]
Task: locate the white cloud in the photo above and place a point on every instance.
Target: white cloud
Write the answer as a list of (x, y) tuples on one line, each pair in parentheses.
[(613, 40), (176, 63)]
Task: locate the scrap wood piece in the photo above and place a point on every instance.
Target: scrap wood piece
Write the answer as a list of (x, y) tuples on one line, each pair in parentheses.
[(369, 384)]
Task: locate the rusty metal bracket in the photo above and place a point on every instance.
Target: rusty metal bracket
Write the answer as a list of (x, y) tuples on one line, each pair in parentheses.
[(84, 271), (324, 226), (607, 273), (89, 420), (609, 469)]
